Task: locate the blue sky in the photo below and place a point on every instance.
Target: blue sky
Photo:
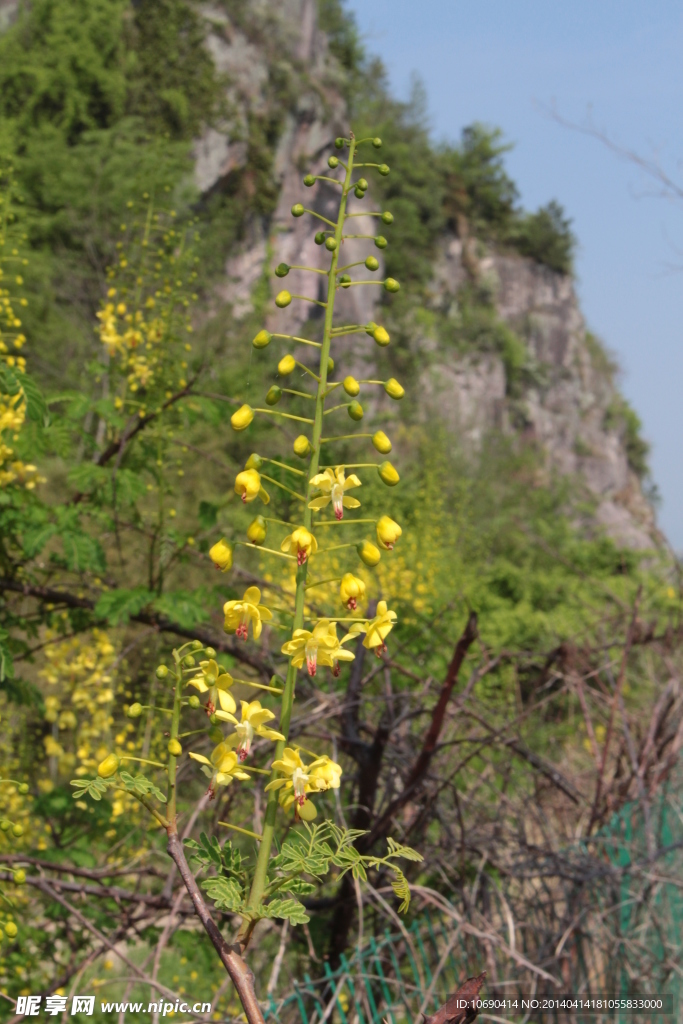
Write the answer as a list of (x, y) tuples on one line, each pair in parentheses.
[(504, 63)]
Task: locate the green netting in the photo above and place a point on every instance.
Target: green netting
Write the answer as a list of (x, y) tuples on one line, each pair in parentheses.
[(630, 939)]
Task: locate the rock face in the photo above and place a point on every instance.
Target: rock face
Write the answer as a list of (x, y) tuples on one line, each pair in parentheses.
[(564, 400)]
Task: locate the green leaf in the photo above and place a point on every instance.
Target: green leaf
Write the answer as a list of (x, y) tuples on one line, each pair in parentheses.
[(6, 663), (299, 887), (402, 890), (225, 892), (183, 607), (117, 606), (94, 788), (142, 785), (36, 537), (83, 552), (407, 852), (36, 408), (291, 910)]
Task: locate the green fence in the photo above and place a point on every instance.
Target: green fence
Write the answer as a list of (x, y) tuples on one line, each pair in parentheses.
[(630, 939)]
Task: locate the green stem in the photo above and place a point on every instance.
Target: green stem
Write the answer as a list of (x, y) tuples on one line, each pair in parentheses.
[(283, 465), (259, 686), (285, 415), (283, 487), (343, 437), (259, 547), (319, 583), (304, 341), (261, 871), (300, 394), (335, 547), (244, 831), (175, 727), (342, 522)]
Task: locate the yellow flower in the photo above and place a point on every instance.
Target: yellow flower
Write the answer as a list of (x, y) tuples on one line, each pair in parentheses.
[(257, 530), (254, 719), (351, 590), (325, 775), (317, 646), (388, 533), (238, 614), (241, 419), (300, 543), (394, 389), (334, 484), (248, 486), (388, 474), (299, 779), (221, 555), (222, 768), (286, 366), (381, 442), (109, 766), (214, 680), (375, 630), (368, 553)]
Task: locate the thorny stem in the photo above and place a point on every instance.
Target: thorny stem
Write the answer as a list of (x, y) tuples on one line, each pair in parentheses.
[(260, 874)]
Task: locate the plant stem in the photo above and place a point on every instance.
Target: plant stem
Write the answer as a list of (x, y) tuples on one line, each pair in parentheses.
[(261, 871), (175, 727)]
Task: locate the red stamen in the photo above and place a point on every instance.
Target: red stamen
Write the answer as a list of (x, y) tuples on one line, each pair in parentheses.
[(210, 707), (336, 669), (244, 497), (243, 754), (380, 650), (301, 556), (241, 632), (339, 513), (352, 604)]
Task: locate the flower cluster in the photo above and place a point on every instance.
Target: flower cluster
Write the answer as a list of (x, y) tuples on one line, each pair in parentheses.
[(328, 502), (144, 320), (13, 402)]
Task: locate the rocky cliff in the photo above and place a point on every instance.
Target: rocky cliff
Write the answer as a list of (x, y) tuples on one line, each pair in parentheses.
[(566, 398)]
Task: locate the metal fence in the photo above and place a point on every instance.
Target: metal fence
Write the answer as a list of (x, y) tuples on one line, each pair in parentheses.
[(396, 975)]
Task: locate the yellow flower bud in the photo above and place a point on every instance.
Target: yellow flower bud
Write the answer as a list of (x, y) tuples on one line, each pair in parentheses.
[(254, 461), (351, 386), (20, 875), (391, 285), (11, 929), (302, 446), (248, 486), (221, 555), (381, 442), (355, 411), (388, 474), (351, 590), (241, 419), (388, 533), (286, 365), (174, 748), (262, 339), (394, 389), (381, 336), (135, 710), (17, 830), (109, 766), (274, 395), (161, 672), (282, 299), (307, 811), (257, 530), (368, 553)]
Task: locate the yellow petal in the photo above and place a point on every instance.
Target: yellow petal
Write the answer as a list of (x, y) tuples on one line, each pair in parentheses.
[(200, 757)]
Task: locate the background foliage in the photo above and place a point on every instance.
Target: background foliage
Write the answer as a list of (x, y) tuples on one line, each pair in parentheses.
[(103, 543)]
